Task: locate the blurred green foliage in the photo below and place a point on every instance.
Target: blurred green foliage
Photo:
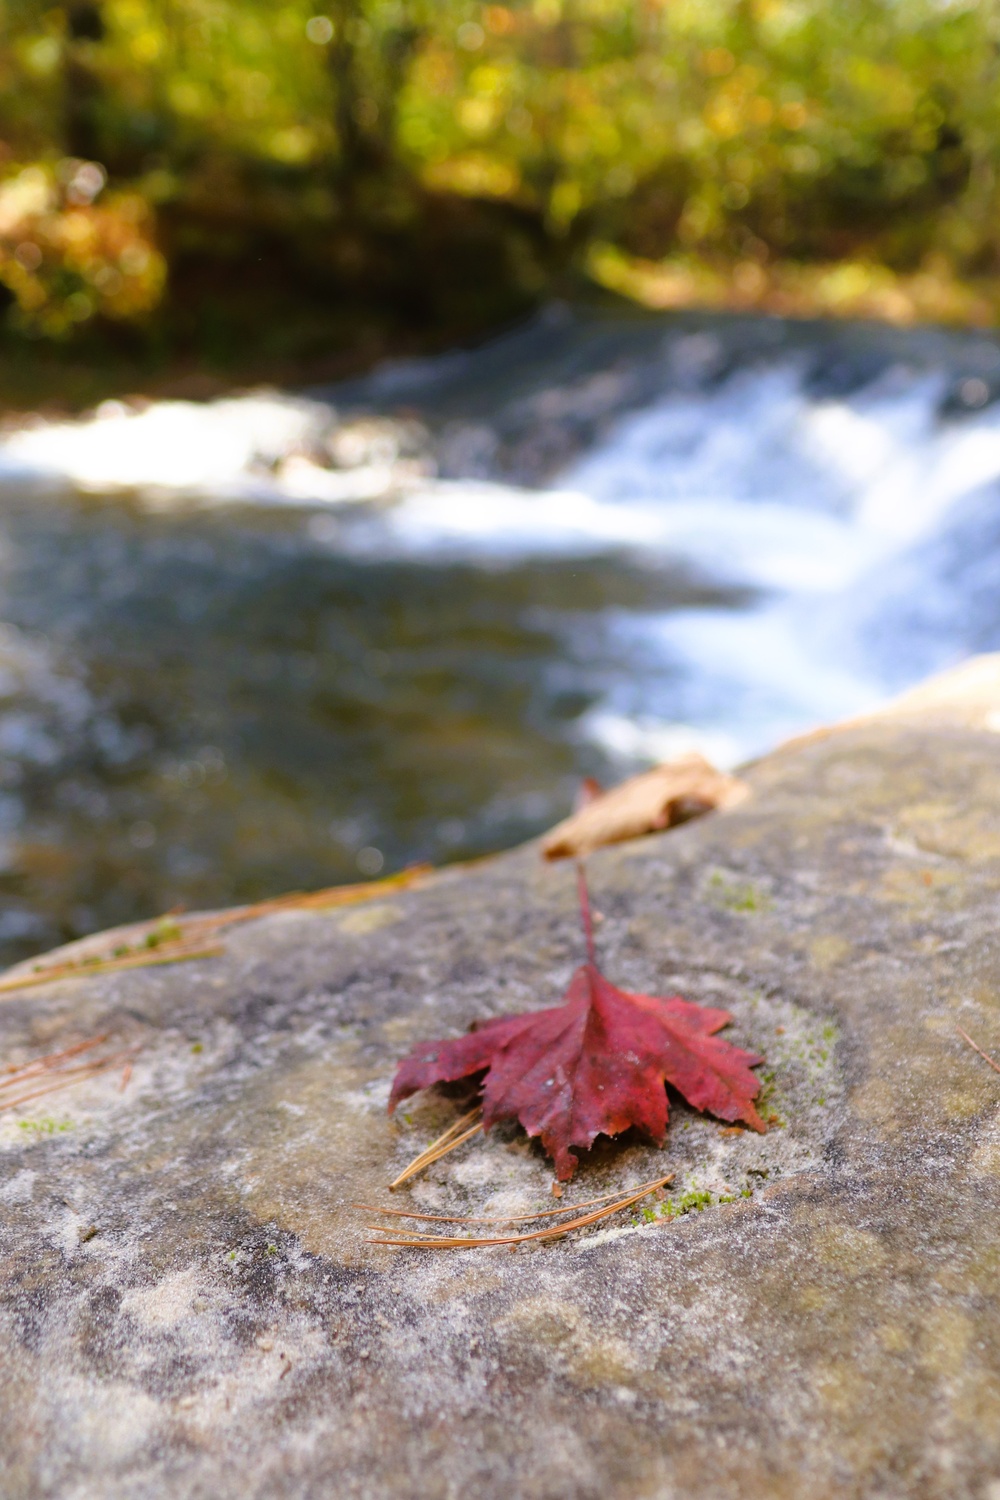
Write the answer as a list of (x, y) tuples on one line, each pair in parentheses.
[(211, 172)]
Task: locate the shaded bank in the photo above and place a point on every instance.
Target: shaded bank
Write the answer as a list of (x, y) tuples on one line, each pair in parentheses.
[(253, 186)]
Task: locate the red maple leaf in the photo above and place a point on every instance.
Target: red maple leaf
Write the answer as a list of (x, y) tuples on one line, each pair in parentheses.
[(594, 1065)]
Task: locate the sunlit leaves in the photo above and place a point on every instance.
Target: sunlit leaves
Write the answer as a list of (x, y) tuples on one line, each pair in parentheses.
[(69, 251), (729, 128)]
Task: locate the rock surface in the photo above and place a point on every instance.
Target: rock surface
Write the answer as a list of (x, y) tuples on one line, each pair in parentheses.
[(189, 1305)]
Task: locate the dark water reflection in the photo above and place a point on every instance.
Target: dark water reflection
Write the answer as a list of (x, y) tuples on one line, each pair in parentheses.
[(211, 706)]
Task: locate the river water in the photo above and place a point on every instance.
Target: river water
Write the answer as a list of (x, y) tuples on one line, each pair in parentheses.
[(281, 641)]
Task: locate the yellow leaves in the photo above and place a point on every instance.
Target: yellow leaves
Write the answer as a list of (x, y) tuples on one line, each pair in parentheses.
[(723, 117), (490, 79), (185, 96), (475, 175), (146, 46), (596, 12), (736, 104), (477, 115), (793, 115), (565, 202), (882, 87), (470, 36), (65, 260), (717, 62), (547, 12), (293, 145), (28, 193), (848, 289), (482, 112), (42, 56), (498, 20), (563, 104), (759, 111), (435, 73)]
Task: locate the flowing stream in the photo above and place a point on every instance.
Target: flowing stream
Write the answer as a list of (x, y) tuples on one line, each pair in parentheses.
[(279, 641)]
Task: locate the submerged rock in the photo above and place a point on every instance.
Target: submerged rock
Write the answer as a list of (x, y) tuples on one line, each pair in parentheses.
[(190, 1305)]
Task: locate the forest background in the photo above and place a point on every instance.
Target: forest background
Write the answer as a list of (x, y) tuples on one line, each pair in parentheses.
[(207, 190)]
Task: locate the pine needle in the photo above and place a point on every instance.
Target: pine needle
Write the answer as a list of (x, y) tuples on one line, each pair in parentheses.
[(456, 1135), (53, 1085), (47, 1075), (976, 1048), (82, 968), (418, 1241), (323, 900), (548, 1213), (331, 896), (65, 1080), (193, 938), (16, 1072)]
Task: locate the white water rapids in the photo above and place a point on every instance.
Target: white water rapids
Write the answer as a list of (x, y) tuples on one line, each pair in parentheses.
[(865, 529)]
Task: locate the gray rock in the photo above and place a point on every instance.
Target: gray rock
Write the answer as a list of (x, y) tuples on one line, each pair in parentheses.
[(190, 1305)]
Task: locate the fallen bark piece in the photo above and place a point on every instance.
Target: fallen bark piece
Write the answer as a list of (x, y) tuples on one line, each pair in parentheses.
[(671, 793)]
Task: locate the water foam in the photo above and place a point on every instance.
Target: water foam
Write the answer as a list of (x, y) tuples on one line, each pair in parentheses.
[(856, 520), (835, 512), (219, 447)]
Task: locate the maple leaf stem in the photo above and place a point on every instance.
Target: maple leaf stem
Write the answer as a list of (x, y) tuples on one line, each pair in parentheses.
[(585, 916)]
